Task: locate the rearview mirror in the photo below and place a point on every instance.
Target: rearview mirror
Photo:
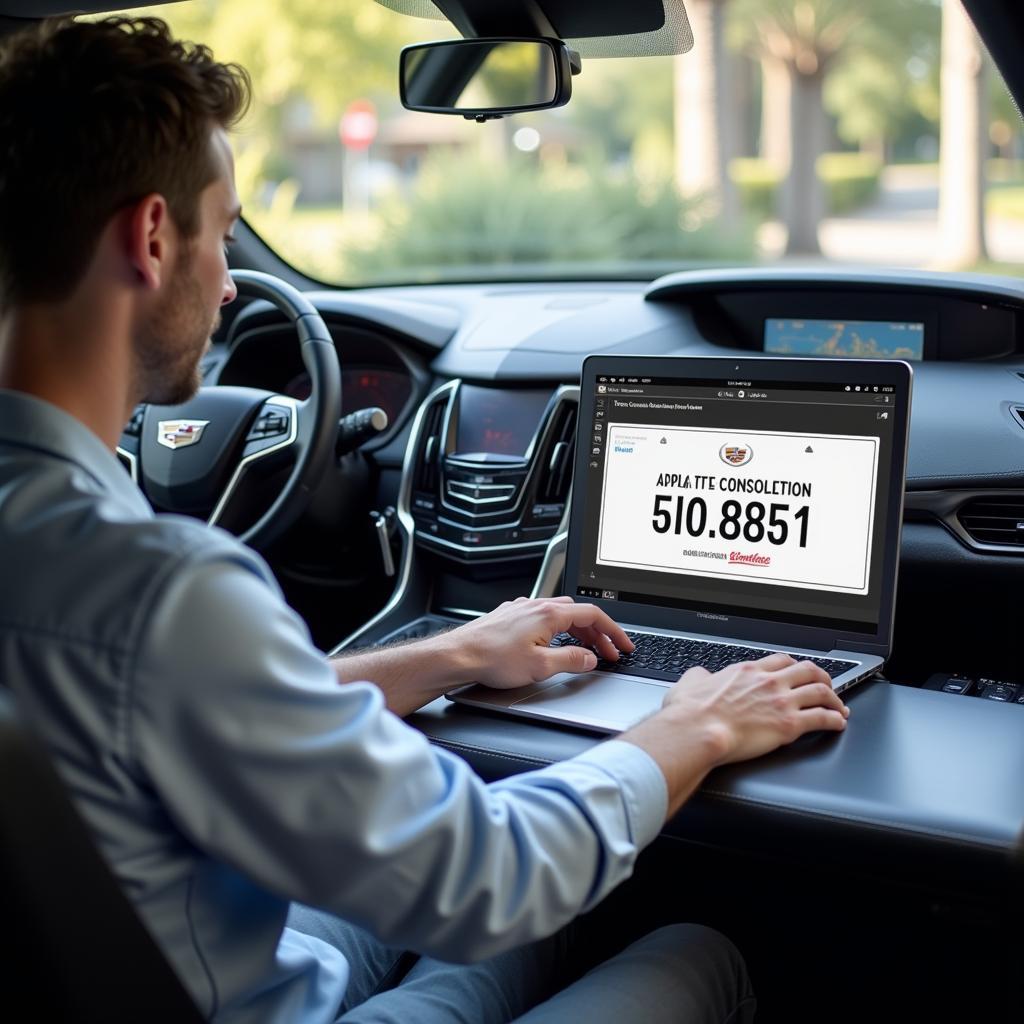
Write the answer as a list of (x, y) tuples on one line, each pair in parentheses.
[(486, 78)]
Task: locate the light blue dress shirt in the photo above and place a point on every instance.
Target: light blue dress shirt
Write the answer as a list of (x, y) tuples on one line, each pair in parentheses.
[(224, 771)]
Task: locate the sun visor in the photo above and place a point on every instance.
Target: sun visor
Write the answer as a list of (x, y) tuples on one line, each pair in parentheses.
[(414, 8), (599, 29)]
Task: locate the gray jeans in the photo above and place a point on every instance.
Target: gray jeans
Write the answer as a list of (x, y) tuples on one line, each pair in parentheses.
[(678, 973)]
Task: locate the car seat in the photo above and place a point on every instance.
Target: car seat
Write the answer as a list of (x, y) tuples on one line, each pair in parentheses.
[(71, 944)]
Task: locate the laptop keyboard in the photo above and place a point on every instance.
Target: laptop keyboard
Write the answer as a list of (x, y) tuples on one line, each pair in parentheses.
[(668, 657)]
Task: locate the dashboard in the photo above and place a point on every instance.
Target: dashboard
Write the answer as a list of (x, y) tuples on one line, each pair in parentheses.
[(376, 370), (480, 385), (515, 344), (363, 386)]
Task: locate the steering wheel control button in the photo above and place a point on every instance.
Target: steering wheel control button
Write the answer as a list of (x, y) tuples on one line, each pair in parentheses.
[(270, 423), (134, 426)]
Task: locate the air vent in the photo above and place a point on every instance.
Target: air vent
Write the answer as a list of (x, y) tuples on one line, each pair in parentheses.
[(556, 471), (1018, 411), (428, 456), (994, 520)]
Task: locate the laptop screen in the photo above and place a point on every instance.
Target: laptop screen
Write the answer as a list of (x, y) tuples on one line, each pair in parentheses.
[(765, 499)]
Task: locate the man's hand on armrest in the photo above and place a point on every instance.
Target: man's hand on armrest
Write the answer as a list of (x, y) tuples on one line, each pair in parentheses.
[(740, 713)]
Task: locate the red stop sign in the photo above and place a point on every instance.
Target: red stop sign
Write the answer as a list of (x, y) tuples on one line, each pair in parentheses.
[(358, 127)]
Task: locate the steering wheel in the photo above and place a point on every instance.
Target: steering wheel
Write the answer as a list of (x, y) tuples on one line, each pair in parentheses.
[(196, 457)]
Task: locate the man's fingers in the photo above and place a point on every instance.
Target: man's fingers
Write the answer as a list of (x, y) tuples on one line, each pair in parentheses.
[(802, 673), (816, 719), (569, 616), (591, 637), (775, 661), (695, 673), (567, 659), (819, 695)]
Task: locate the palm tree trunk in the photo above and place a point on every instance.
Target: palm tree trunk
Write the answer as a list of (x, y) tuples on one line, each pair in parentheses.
[(803, 196), (706, 135), (962, 143), (775, 113)]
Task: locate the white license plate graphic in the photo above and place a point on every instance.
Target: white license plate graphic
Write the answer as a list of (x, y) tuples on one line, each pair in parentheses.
[(769, 507)]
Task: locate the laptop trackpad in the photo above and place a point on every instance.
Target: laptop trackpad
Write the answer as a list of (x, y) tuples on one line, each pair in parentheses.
[(611, 700)]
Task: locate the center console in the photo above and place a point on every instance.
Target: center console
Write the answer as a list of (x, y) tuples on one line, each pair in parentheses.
[(481, 509), (491, 470)]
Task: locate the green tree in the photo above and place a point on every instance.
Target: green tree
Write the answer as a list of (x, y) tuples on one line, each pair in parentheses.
[(324, 52), (1005, 121), (706, 125), (801, 44), (889, 82), (963, 141), (623, 110), (307, 59)]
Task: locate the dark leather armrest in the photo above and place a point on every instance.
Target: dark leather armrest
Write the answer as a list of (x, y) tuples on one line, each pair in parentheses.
[(922, 786)]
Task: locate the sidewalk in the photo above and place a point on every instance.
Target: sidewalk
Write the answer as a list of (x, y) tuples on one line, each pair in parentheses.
[(899, 228)]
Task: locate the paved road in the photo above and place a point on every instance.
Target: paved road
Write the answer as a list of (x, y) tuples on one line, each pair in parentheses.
[(900, 227)]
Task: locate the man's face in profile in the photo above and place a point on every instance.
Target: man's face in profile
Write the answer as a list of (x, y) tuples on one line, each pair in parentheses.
[(177, 331)]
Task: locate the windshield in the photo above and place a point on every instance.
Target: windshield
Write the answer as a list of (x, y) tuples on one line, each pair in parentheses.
[(858, 131)]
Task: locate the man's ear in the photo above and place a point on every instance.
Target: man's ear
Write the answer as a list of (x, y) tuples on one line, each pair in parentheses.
[(151, 237)]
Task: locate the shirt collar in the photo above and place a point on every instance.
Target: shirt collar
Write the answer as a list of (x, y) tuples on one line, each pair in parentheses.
[(31, 423)]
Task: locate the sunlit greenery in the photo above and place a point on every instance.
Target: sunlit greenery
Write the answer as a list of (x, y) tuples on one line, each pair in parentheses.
[(593, 183), (468, 215), (1006, 202), (849, 179)]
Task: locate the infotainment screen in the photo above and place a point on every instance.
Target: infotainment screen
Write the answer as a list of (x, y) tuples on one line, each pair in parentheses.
[(864, 339), (497, 421)]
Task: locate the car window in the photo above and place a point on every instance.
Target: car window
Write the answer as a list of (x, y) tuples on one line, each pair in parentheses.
[(858, 131)]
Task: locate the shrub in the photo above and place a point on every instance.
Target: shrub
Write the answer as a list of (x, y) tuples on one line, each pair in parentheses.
[(850, 180), (467, 213), (757, 182)]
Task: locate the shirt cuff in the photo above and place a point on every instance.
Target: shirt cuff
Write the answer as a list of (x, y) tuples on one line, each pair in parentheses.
[(644, 790)]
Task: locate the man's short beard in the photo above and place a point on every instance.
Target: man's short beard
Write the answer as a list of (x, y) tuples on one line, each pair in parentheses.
[(170, 345)]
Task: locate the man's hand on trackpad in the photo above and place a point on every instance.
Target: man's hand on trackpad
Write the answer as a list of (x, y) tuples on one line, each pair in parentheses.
[(510, 646)]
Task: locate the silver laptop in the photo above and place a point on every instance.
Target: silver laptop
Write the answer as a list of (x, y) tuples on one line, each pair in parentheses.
[(724, 509)]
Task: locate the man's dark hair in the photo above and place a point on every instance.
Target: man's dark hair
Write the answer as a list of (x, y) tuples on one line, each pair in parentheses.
[(94, 116)]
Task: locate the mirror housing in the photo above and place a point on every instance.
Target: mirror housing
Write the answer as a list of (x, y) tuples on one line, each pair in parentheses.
[(519, 73)]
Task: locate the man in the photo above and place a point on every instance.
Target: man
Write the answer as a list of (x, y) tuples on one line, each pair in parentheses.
[(225, 768)]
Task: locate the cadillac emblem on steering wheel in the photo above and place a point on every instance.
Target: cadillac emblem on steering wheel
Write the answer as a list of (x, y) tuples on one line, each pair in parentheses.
[(179, 433)]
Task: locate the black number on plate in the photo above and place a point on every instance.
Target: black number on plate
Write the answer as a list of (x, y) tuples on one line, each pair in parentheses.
[(753, 521)]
